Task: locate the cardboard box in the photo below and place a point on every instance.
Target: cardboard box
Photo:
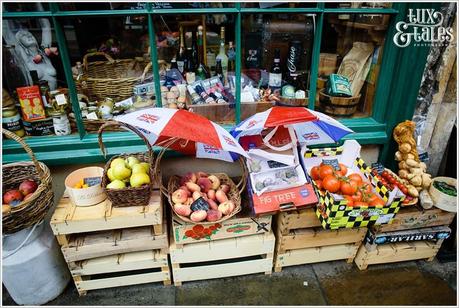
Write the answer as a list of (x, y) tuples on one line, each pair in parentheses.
[(333, 211)]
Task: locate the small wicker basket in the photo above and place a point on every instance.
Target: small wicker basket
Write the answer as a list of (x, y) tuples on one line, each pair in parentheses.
[(129, 196), (234, 193), (34, 209)]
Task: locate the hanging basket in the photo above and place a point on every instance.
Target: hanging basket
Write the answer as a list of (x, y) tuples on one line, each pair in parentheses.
[(234, 193), (34, 209), (129, 196)]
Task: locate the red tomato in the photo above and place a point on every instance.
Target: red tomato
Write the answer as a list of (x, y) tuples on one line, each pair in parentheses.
[(349, 187), (366, 188), (370, 198), (325, 171), (377, 202), (343, 170), (331, 183), (360, 203), (319, 184), (315, 173), (350, 201), (357, 196), (356, 177), (384, 173)]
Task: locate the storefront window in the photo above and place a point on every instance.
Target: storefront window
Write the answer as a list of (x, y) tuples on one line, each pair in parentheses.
[(25, 7), (352, 47), (83, 6), (110, 60), (276, 60), (35, 99), (357, 5), (265, 5), (196, 56)]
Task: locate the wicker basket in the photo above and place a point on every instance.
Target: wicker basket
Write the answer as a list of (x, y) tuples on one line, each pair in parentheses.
[(234, 193), (129, 196), (340, 106), (102, 79), (34, 209)]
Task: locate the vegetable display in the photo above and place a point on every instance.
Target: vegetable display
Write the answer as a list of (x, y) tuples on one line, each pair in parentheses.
[(445, 188)]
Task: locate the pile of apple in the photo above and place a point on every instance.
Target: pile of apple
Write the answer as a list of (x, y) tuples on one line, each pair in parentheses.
[(194, 186), (14, 197), (128, 172)]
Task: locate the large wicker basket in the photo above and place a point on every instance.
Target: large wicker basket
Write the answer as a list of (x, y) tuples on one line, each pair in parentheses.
[(129, 196), (34, 209), (102, 79), (234, 193)]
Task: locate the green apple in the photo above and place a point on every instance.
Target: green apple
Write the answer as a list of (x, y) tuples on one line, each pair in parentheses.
[(146, 166), (116, 184), (138, 168), (138, 179), (121, 172), (131, 161), (117, 161), (110, 174)]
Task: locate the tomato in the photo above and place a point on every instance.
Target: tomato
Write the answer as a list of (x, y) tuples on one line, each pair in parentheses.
[(343, 170), (349, 187), (360, 203), (392, 180), (350, 201), (356, 177), (325, 170), (385, 173), (315, 173), (370, 198), (318, 183), (377, 202), (331, 183), (357, 196), (366, 188)]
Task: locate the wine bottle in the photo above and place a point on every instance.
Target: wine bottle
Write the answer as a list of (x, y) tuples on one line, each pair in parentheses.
[(181, 54), (275, 74), (219, 70), (231, 57), (174, 63), (222, 55), (194, 51), (189, 70), (293, 63), (201, 55)]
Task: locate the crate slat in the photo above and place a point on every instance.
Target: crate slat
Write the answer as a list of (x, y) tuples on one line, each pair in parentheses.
[(298, 219), (127, 280)]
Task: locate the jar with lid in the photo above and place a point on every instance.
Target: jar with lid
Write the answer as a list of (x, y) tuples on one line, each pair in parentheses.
[(11, 120), (44, 91), (58, 102), (61, 124)]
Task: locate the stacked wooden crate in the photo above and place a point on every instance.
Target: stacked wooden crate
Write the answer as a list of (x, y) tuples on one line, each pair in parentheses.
[(413, 234), (106, 246), (241, 245), (302, 240)]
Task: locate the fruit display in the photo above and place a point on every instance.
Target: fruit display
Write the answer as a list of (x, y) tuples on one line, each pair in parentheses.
[(129, 172), (14, 197), (391, 180), (343, 182), (202, 197), (411, 170), (87, 182)]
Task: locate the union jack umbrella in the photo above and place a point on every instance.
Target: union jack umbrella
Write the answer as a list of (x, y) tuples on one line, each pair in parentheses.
[(194, 134), (309, 127)]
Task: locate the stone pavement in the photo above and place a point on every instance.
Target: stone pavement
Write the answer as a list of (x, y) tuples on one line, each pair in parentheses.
[(328, 283)]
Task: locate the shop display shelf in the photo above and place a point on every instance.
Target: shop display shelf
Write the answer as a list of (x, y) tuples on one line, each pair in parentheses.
[(224, 258), (121, 270), (302, 240)]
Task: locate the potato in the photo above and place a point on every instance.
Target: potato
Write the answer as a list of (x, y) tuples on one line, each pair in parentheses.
[(416, 171), (398, 156), (405, 148), (426, 180), (410, 176), (418, 188), (417, 180), (410, 156), (403, 174), (423, 166), (412, 163)]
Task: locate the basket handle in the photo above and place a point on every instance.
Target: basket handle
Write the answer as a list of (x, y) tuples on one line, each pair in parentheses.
[(26, 147), (129, 127), (243, 182), (96, 53), (145, 71), (164, 146)]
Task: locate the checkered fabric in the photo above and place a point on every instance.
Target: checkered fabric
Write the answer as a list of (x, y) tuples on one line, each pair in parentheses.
[(323, 152)]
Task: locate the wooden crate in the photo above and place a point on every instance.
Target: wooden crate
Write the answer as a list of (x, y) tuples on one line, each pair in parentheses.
[(302, 240), (240, 225), (224, 258), (83, 246), (398, 252), (121, 270), (69, 219), (413, 218)]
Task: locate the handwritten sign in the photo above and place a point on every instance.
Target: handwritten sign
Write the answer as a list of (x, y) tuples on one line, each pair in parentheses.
[(332, 162), (199, 204), (378, 167), (275, 164), (92, 181)]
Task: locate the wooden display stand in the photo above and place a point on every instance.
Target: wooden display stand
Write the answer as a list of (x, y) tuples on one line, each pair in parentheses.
[(409, 218), (223, 258), (107, 246), (302, 240)]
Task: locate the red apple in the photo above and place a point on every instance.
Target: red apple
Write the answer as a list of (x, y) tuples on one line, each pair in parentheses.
[(12, 195), (28, 187)]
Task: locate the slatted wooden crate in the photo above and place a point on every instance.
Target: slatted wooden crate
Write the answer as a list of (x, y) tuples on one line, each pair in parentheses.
[(121, 270), (223, 258), (302, 240)]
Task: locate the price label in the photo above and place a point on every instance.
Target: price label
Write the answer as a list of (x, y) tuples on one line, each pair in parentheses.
[(92, 116), (332, 162), (378, 167), (424, 157), (60, 99), (200, 204), (92, 181)]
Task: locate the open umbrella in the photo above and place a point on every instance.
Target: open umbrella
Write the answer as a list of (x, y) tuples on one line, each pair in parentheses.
[(311, 127), (186, 132)]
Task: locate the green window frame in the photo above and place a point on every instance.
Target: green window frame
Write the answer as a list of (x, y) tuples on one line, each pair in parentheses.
[(398, 82)]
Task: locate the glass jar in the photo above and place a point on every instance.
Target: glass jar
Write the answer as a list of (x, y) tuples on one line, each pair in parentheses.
[(11, 120), (58, 102), (61, 124), (44, 91)]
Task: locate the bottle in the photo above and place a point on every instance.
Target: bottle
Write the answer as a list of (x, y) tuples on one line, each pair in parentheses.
[(275, 74), (231, 57), (188, 70), (201, 55), (207, 99), (219, 70), (181, 55), (194, 51), (11, 120), (174, 63), (44, 91), (200, 74), (222, 55), (293, 63), (253, 48)]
